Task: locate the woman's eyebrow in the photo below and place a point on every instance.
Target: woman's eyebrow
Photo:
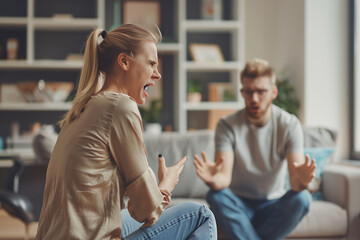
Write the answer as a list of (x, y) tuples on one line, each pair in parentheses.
[(152, 61)]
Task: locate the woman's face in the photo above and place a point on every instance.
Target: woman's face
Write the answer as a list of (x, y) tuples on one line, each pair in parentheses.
[(143, 71)]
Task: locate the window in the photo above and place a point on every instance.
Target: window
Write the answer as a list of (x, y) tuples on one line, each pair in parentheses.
[(355, 79)]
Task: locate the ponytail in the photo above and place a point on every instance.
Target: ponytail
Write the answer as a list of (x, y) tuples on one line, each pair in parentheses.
[(89, 83)]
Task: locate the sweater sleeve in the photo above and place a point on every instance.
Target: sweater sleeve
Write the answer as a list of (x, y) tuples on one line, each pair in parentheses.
[(149, 211), (146, 200)]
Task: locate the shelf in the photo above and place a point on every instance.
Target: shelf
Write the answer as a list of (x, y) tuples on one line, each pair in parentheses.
[(224, 66), (27, 156), (65, 23), (13, 21), (35, 28), (203, 106), (35, 106), (212, 25), (168, 47), (41, 64)]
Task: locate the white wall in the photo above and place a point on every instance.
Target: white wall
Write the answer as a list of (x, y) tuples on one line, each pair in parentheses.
[(275, 31), (326, 85), (309, 39)]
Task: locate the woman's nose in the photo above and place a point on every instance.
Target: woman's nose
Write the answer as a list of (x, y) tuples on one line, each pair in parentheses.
[(156, 74)]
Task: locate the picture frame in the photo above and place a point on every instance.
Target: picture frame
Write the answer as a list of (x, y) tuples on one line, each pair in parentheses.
[(204, 52), (141, 12)]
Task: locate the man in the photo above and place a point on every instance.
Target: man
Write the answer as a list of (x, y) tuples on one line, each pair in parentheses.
[(247, 180)]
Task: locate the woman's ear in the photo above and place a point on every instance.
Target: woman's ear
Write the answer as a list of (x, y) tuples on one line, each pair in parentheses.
[(123, 61)]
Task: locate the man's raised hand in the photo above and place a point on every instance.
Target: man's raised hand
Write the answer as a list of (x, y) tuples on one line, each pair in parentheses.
[(205, 169)]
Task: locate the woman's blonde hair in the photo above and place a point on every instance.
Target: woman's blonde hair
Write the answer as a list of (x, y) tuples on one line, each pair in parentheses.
[(99, 58)]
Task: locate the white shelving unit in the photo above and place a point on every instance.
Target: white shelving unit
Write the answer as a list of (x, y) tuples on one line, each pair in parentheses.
[(233, 66), (30, 25), (233, 26)]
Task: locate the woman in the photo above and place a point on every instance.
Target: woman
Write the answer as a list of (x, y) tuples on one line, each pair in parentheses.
[(100, 156)]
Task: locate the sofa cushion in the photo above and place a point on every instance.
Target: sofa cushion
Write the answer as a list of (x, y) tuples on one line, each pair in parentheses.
[(319, 137), (173, 146), (325, 219)]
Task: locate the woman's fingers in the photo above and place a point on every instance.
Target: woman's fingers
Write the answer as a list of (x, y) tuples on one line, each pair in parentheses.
[(161, 161), (180, 164), (182, 161)]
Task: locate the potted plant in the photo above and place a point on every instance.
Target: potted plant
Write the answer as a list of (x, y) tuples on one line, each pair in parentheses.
[(151, 116), (286, 98), (194, 91)]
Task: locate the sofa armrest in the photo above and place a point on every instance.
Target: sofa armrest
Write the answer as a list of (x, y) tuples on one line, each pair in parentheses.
[(341, 185)]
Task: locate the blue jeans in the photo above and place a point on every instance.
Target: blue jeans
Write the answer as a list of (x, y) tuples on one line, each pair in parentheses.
[(188, 220), (249, 219)]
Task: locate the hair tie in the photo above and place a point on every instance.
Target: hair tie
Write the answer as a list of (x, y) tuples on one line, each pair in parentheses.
[(103, 34)]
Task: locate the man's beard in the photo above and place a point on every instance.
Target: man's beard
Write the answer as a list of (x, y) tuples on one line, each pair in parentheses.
[(259, 114)]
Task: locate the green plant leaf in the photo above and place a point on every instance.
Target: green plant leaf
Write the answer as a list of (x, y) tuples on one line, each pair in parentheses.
[(194, 86), (286, 98), (153, 113)]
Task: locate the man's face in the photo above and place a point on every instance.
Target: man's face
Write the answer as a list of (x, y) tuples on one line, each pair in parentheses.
[(258, 94)]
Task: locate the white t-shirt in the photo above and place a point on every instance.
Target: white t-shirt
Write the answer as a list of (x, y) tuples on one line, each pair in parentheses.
[(259, 152)]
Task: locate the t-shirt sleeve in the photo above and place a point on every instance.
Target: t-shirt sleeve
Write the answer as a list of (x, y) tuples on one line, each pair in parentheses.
[(295, 139), (129, 153), (224, 137)]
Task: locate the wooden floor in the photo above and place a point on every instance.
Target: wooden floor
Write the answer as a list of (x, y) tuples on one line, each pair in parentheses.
[(13, 229)]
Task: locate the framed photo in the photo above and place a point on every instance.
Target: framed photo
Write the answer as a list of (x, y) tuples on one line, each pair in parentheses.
[(201, 52), (141, 12)]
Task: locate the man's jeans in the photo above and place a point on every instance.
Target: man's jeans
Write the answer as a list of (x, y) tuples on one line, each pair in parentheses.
[(249, 219), (188, 220)]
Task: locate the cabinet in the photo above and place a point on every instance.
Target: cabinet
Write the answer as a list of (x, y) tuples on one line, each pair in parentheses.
[(45, 42), (227, 32)]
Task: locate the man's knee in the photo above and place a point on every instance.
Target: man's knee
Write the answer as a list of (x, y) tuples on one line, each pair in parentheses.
[(216, 197), (302, 200)]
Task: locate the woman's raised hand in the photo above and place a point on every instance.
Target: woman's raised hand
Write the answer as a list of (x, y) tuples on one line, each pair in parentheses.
[(169, 176)]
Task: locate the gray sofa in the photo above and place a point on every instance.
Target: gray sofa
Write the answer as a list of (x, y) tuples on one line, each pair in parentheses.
[(335, 218)]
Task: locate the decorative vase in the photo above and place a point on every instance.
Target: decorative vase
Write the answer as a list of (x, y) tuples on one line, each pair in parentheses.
[(194, 97), (153, 128)]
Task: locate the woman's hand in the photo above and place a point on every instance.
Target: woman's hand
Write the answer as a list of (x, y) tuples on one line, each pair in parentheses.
[(169, 176), (205, 169)]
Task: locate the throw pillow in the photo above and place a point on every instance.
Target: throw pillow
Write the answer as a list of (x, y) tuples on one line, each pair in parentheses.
[(321, 156)]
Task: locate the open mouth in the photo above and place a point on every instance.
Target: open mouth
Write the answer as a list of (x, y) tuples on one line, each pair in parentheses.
[(254, 108), (146, 87)]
